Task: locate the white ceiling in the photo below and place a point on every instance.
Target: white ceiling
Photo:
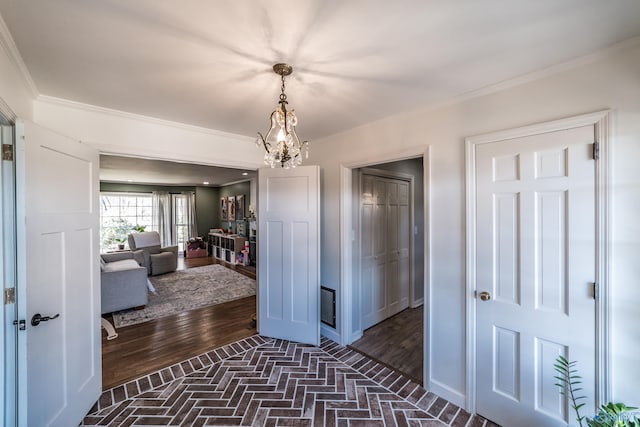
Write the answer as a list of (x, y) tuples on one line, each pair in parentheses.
[(146, 171), (208, 62)]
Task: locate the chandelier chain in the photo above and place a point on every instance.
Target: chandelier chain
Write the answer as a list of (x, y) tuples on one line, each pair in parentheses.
[(283, 96)]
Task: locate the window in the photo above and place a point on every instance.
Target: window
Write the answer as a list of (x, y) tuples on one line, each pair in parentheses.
[(180, 229), (119, 214)]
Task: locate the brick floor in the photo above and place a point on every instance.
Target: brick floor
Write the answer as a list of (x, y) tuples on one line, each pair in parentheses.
[(260, 381)]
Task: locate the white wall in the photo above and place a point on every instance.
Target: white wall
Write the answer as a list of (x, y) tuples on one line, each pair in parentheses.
[(116, 132), (610, 80), (16, 95)]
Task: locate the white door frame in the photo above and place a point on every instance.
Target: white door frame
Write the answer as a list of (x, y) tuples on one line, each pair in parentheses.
[(602, 121), (8, 312), (347, 293)]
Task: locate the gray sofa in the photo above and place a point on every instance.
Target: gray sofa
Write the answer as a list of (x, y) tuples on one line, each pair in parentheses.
[(123, 281), (157, 259)]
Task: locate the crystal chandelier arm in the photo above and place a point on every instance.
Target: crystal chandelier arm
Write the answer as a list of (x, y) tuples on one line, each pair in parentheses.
[(264, 139), (264, 142)]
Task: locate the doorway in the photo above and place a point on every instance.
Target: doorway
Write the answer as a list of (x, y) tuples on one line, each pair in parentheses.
[(389, 269), (149, 346)]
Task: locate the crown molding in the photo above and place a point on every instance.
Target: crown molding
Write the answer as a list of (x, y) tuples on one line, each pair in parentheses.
[(9, 46), (52, 100), (504, 85), (541, 74)]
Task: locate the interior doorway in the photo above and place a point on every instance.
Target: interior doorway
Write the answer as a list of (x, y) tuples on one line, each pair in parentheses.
[(145, 347), (388, 263)]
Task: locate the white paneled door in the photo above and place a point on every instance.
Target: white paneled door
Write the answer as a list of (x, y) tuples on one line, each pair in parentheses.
[(536, 258), (289, 253), (59, 360), (385, 237)]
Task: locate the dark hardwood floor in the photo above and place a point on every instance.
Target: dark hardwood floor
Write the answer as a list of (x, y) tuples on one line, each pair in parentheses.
[(396, 342), (146, 347)]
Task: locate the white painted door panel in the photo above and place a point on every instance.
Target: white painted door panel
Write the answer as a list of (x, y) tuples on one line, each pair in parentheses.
[(288, 253), (385, 247), (536, 257), (58, 223)]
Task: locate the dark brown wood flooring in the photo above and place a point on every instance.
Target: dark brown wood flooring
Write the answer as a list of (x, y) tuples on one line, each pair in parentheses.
[(146, 347), (396, 342)]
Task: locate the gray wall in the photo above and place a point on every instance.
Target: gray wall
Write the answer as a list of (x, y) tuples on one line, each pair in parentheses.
[(207, 212), (234, 190)]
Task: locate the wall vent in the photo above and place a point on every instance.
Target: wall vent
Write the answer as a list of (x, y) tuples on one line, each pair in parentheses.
[(328, 306)]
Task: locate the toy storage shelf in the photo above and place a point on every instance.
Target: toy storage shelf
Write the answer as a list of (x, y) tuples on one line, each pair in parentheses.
[(226, 246)]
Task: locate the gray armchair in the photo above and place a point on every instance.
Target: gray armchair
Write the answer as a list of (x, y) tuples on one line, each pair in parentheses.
[(123, 282), (157, 260)]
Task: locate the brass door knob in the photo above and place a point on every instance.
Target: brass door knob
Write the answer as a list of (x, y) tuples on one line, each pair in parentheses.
[(485, 296)]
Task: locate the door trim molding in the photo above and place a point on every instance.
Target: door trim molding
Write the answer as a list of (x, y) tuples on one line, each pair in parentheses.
[(602, 121), (346, 294)]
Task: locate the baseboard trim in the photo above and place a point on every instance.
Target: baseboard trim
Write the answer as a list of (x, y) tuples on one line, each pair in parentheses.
[(329, 332), (447, 393)]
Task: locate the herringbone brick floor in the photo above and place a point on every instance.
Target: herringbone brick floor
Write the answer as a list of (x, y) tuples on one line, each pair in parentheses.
[(265, 382)]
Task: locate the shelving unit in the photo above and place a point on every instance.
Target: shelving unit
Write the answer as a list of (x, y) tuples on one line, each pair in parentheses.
[(226, 246), (253, 240)]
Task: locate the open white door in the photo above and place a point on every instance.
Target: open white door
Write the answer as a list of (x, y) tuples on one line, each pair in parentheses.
[(289, 254), (59, 362)]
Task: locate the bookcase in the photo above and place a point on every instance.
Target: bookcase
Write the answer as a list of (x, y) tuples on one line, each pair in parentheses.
[(226, 246)]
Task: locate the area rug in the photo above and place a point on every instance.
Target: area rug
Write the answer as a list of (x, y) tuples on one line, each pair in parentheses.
[(185, 290)]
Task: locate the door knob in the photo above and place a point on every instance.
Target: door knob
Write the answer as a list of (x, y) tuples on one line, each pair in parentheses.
[(485, 296), (37, 318)]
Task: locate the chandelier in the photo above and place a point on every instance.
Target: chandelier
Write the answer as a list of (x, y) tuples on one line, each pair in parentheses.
[(281, 144)]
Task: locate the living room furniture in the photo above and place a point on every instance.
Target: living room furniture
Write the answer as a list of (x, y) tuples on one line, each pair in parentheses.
[(123, 281), (157, 259), (195, 248), (253, 242), (226, 246)]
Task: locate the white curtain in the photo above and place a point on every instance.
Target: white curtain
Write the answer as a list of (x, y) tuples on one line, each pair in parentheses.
[(161, 211), (192, 228)]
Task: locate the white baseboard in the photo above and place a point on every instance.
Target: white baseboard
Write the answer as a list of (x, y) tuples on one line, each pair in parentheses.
[(448, 393), (329, 332), (417, 303)]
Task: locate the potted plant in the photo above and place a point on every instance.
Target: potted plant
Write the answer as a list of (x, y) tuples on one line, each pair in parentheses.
[(609, 415), (115, 232), (120, 241)]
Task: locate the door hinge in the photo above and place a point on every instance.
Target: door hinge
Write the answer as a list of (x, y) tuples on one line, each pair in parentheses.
[(9, 296), (596, 290), (7, 152), (596, 151), (22, 324)]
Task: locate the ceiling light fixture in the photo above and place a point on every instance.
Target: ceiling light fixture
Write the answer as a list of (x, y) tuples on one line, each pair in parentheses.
[(281, 144), (245, 173), (206, 183)]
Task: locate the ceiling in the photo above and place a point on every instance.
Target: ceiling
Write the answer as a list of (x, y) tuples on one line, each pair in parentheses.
[(208, 62), (146, 171)]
